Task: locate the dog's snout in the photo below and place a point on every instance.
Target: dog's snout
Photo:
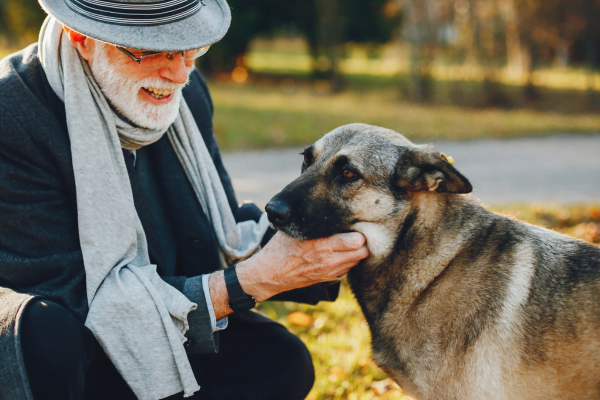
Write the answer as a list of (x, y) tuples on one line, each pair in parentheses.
[(279, 212)]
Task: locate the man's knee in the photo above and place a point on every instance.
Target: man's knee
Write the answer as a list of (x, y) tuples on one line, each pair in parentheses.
[(48, 328), (297, 373), (257, 359), (57, 349), (301, 372)]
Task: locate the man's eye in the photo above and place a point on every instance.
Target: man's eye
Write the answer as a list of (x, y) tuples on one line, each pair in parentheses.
[(348, 174)]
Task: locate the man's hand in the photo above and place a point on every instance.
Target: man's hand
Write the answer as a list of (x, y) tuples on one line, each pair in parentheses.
[(286, 263)]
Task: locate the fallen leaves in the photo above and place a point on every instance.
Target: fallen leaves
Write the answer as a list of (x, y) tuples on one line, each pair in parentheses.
[(588, 231), (581, 221), (299, 318), (336, 373), (384, 386)]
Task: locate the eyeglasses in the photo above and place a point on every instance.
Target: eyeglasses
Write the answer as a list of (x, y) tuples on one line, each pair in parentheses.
[(150, 60)]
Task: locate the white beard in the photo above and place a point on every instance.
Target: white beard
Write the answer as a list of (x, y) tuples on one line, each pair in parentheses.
[(123, 93)]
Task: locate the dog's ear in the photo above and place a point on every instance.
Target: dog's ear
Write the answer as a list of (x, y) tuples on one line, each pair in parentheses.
[(419, 169)]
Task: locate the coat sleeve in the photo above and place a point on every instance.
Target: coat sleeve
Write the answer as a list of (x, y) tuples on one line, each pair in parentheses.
[(200, 336)]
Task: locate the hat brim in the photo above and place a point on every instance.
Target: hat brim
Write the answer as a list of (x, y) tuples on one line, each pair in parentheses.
[(205, 27)]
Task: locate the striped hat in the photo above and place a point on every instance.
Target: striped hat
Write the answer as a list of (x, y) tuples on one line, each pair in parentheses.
[(156, 25)]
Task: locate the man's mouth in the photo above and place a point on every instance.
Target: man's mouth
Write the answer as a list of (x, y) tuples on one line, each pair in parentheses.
[(158, 93)]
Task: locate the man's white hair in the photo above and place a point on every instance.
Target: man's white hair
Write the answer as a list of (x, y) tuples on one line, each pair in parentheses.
[(123, 92)]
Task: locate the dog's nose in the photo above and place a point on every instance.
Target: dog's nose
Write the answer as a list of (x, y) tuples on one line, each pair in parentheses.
[(279, 212)]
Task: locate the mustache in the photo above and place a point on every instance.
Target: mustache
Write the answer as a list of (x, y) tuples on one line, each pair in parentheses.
[(157, 83)]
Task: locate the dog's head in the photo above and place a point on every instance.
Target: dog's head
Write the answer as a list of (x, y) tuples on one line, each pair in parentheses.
[(361, 178)]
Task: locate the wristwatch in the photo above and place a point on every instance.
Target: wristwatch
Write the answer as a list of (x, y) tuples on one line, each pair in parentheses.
[(238, 299)]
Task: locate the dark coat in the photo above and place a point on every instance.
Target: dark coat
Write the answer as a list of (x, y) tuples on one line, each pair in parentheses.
[(40, 253)]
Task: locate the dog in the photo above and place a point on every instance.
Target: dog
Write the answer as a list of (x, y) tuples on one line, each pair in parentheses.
[(462, 303)]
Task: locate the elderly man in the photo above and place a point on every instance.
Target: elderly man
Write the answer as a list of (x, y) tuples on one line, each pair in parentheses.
[(122, 247)]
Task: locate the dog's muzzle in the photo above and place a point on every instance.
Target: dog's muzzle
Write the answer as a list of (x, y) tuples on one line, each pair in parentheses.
[(279, 212)]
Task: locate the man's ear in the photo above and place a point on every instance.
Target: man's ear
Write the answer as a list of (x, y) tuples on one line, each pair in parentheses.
[(419, 169), (83, 44)]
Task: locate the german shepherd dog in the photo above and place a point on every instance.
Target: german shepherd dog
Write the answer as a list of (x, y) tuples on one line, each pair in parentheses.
[(462, 303)]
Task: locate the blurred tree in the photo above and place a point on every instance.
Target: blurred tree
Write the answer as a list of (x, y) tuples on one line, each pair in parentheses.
[(333, 23), (519, 34), (420, 33), (558, 32), (514, 52), (489, 32), (249, 20), (325, 24)]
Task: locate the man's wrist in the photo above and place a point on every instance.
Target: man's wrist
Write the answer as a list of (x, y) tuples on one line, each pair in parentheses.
[(218, 293), (252, 283), (239, 300)]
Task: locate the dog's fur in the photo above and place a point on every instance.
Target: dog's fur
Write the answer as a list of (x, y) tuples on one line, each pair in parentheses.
[(462, 303)]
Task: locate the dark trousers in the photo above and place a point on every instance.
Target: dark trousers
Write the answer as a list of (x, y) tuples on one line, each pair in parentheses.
[(257, 359)]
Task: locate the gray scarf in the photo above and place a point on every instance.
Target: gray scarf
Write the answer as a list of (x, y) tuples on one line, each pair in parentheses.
[(138, 319)]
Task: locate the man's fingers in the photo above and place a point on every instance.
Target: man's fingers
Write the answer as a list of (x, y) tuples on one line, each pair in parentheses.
[(344, 258), (344, 241), (343, 269)]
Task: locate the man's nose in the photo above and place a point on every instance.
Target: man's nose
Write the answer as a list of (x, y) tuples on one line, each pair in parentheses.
[(175, 70)]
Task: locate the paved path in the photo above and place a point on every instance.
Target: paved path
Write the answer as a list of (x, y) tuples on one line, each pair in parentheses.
[(562, 169)]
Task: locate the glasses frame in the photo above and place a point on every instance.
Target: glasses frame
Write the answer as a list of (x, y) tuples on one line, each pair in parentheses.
[(169, 54)]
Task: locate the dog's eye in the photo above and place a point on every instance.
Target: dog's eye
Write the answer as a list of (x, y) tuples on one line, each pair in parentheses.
[(348, 174), (307, 158)]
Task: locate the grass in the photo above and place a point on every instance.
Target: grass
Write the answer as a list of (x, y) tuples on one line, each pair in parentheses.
[(394, 61), (291, 114), (337, 334)]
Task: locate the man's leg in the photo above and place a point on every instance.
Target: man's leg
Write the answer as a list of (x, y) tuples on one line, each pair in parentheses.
[(59, 351), (258, 359)]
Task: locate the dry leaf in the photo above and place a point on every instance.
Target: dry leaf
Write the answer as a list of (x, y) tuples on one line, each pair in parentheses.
[(595, 213), (337, 371), (382, 387), (299, 318)]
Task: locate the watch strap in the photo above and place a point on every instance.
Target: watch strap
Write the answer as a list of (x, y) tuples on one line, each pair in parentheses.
[(238, 299)]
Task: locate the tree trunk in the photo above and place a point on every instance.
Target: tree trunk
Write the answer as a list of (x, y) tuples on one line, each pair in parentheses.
[(330, 34), (591, 51), (514, 52), (422, 50)]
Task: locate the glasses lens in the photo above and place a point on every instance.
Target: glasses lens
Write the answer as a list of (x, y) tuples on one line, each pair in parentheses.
[(160, 60), (154, 61), (195, 53)]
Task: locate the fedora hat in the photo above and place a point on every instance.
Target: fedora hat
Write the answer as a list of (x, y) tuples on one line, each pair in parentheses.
[(155, 25)]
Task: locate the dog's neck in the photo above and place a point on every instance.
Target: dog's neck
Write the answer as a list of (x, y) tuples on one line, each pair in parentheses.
[(425, 246)]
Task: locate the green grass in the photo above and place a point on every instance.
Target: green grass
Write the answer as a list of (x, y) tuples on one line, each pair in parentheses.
[(393, 60), (337, 334), (269, 116)]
